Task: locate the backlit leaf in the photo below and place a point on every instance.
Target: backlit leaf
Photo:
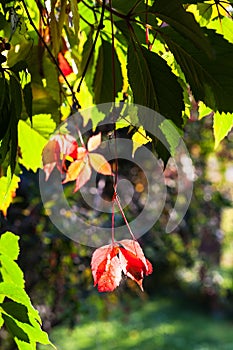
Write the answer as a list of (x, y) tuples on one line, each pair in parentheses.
[(9, 245), (100, 164), (223, 123), (173, 13), (103, 79), (8, 187), (74, 170), (83, 177), (106, 268), (139, 138), (94, 142)]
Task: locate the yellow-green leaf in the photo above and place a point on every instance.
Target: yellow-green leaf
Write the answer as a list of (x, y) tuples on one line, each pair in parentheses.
[(139, 138), (32, 140), (223, 123), (8, 187)]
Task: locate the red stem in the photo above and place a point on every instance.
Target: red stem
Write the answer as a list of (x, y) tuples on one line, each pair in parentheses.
[(124, 217)]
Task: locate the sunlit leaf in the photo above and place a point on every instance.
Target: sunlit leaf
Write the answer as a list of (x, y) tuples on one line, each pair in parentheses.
[(223, 123), (106, 268), (100, 164), (139, 138), (32, 140), (94, 142), (83, 177), (9, 245), (74, 170), (8, 187)]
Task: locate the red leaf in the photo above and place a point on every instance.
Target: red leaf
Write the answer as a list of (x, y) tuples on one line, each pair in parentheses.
[(134, 264), (94, 142), (109, 261), (68, 146), (100, 164), (56, 151), (50, 157), (64, 64), (106, 268)]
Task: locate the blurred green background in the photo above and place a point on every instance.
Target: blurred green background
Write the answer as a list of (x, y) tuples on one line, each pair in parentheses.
[(188, 300)]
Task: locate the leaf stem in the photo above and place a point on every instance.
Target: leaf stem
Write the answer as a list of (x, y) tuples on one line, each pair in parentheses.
[(123, 215)]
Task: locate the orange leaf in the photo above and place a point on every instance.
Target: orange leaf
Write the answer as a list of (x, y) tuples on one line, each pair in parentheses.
[(106, 268), (100, 164), (83, 177), (50, 157), (74, 170), (94, 142)]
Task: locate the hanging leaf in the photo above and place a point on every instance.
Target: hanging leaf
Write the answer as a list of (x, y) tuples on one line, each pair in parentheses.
[(109, 261), (223, 123), (106, 268), (27, 95), (153, 83), (75, 13), (94, 142), (174, 14), (103, 84), (139, 138), (208, 78), (99, 164)]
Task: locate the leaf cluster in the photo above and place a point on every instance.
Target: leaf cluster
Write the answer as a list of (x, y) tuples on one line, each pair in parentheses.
[(16, 311)]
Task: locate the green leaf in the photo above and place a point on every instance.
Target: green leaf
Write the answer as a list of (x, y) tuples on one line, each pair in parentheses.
[(9, 245), (14, 329), (4, 107), (11, 272), (33, 139), (8, 187), (174, 14), (223, 123), (173, 138), (19, 66), (16, 310), (75, 13), (22, 345), (125, 7), (13, 292), (153, 83), (103, 79), (16, 96), (27, 95), (211, 80), (85, 54)]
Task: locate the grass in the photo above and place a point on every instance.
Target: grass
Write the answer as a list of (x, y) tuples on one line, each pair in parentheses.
[(161, 324)]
